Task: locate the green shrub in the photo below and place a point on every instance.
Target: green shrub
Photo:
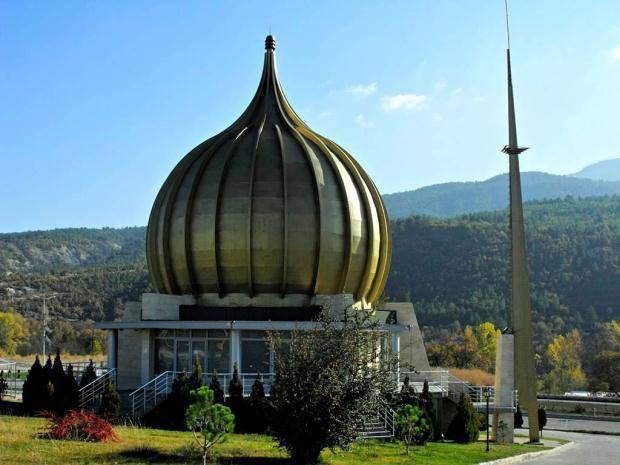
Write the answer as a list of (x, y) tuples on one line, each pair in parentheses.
[(465, 426), (208, 421), (518, 417), (413, 426), (110, 407)]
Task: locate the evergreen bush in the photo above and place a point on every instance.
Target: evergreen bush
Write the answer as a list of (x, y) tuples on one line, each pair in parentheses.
[(426, 401), (216, 387), (110, 407), (89, 375), (72, 390), (412, 425), (4, 386), (465, 426), (518, 419), (236, 402)]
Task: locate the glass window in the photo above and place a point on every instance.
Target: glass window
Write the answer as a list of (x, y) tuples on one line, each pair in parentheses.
[(182, 332), (219, 356), (218, 334), (164, 348), (183, 358), (199, 333), (199, 352), (164, 333), (254, 356)]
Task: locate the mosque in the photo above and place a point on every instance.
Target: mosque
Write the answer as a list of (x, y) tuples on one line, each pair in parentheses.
[(259, 228)]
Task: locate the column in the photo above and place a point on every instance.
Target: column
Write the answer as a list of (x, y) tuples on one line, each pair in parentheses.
[(235, 349), (396, 353), (112, 347)]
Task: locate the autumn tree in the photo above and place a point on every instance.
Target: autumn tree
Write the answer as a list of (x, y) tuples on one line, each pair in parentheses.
[(564, 354), (13, 332)]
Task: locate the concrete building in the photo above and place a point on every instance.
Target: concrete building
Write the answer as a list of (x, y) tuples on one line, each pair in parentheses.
[(259, 228)]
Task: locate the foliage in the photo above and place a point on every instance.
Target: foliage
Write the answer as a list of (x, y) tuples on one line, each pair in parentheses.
[(72, 390), (12, 332), (328, 384), (466, 424), (413, 427), (35, 393), (518, 418), (259, 411), (426, 401), (564, 354), (216, 387), (236, 402), (80, 426), (407, 394), (605, 374), (110, 407), (89, 374), (208, 422)]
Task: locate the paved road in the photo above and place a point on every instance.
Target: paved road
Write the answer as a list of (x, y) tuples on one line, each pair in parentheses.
[(588, 449)]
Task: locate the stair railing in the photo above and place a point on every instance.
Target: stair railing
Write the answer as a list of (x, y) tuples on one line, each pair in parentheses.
[(89, 395), (151, 393)]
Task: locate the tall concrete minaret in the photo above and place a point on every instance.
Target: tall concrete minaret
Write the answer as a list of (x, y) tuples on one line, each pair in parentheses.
[(521, 311)]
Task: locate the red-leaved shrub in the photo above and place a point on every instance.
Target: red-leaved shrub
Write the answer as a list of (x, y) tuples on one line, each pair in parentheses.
[(79, 426)]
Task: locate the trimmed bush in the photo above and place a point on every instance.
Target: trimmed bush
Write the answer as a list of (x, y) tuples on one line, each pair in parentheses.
[(79, 426), (466, 424), (110, 407), (518, 417), (216, 387)]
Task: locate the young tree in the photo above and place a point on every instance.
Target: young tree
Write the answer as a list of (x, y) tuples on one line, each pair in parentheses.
[(413, 427), (466, 424), (216, 387), (209, 422), (110, 407), (328, 384)]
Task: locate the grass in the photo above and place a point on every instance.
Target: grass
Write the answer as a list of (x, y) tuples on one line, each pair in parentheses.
[(474, 376), (20, 444)]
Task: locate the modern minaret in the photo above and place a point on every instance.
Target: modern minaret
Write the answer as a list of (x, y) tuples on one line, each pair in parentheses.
[(521, 311)]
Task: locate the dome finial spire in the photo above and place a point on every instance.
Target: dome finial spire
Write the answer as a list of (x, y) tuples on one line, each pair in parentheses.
[(270, 42)]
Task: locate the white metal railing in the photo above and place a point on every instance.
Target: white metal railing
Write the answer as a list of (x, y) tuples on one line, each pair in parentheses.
[(8, 371), (380, 425), (90, 394), (437, 378), (153, 392)]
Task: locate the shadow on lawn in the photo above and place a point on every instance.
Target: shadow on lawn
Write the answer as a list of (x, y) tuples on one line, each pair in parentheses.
[(153, 455)]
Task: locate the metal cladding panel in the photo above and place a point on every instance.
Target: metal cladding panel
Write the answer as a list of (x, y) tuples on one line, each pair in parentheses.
[(269, 207)]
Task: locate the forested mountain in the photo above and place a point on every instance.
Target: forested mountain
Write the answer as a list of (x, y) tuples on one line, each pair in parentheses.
[(454, 269), (458, 198), (606, 170)]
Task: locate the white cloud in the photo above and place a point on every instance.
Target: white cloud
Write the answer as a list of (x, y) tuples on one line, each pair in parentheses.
[(404, 101), (615, 53), (362, 122), (362, 89)]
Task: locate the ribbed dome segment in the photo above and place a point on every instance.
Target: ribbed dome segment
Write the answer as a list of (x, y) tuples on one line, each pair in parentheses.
[(269, 207)]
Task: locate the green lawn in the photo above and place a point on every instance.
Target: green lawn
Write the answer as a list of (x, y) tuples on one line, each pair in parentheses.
[(19, 444)]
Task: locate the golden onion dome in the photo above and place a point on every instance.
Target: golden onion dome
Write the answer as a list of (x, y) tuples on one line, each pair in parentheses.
[(269, 209)]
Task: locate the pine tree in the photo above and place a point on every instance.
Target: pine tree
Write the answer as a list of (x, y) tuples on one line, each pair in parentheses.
[(216, 387), (35, 389), (407, 395), (258, 414), (89, 375), (57, 379), (72, 391), (235, 400), (110, 407), (465, 425), (195, 379), (426, 399)]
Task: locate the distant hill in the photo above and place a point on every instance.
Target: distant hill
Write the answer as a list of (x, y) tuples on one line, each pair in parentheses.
[(458, 198), (606, 170), (454, 270)]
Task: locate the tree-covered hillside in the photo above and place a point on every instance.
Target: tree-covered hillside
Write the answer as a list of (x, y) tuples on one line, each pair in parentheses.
[(458, 269), (459, 198), (454, 270)]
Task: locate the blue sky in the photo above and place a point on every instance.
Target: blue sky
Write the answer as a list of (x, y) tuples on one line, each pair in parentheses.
[(99, 100)]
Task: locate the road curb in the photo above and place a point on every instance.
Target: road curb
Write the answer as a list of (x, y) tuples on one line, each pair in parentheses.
[(528, 455)]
